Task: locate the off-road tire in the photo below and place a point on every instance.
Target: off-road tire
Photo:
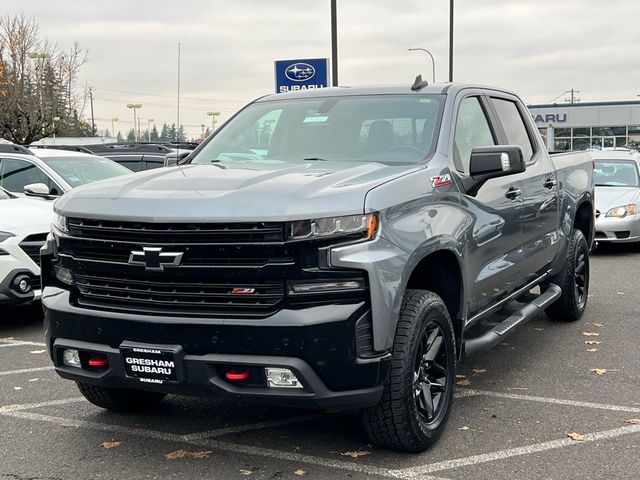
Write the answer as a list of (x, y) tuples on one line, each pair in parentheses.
[(573, 301), (396, 422), (120, 399)]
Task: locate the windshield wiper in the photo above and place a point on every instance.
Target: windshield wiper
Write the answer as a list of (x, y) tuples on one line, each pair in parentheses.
[(315, 159)]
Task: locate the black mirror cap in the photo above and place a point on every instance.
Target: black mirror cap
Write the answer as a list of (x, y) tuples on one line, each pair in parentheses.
[(496, 161)]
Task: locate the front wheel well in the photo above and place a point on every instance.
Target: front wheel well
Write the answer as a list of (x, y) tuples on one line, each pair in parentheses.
[(584, 220), (440, 273)]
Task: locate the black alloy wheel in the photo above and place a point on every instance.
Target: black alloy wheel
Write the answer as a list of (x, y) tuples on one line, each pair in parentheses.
[(430, 373)]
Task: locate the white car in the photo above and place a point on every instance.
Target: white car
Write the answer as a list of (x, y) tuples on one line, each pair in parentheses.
[(24, 226), (617, 180), (49, 172)]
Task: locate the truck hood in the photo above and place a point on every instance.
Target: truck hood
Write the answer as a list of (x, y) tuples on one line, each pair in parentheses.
[(609, 197), (260, 192)]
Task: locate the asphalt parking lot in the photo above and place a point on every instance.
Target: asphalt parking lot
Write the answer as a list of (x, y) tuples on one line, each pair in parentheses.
[(514, 409)]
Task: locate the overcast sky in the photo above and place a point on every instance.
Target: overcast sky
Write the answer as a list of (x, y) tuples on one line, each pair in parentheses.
[(539, 48)]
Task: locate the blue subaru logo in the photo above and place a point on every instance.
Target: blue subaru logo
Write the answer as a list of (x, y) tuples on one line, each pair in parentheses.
[(299, 72)]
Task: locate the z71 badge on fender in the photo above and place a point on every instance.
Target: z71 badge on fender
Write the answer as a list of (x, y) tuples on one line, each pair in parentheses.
[(441, 180)]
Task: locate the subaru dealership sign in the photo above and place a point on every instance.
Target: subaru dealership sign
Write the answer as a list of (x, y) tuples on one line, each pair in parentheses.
[(306, 74)]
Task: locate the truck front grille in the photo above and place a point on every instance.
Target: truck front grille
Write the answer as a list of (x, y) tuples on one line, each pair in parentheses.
[(224, 270)]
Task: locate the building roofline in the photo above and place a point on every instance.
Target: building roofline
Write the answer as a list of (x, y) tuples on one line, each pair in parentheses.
[(585, 104)]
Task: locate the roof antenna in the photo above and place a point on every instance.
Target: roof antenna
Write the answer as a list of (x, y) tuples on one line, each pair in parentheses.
[(419, 84)]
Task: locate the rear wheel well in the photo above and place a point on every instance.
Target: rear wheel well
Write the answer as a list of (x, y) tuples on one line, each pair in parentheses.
[(440, 273), (584, 221)]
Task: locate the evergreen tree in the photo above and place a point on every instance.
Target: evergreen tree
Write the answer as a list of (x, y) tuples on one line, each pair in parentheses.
[(131, 136), (164, 134), (181, 136), (172, 133), (154, 134), (119, 138)]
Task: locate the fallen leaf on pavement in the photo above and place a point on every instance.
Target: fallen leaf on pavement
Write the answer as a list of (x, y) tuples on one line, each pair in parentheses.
[(599, 371), (592, 349), (633, 421), (592, 342), (591, 334), (246, 472), (111, 444), (17, 388), (538, 329), (465, 428), (598, 324), (460, 376), (187, 454), (479, 370), (37, 351), (355, 453), (463, 382), (578, 437), (620, 293), (300, 472)]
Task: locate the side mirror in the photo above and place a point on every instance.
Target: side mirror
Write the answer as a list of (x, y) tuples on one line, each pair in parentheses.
[(495, 161), (37, 190)]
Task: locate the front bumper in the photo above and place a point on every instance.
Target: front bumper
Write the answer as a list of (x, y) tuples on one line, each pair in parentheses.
[(618, 230), (317, 343)]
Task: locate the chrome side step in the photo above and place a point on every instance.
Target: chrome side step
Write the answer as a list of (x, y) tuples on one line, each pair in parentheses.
[(497, 334)]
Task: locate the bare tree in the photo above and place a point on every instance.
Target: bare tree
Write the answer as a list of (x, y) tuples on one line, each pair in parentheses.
[(37, 83)]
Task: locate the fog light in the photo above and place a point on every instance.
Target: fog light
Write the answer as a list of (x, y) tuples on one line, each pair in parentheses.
[(281, 378), (98, 361), (71, 357), (237, 374), (64, 275), (24, 285)]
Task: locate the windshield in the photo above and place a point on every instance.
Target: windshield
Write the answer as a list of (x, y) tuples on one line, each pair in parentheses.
[(78, 170), (616, 173), (390, 129)]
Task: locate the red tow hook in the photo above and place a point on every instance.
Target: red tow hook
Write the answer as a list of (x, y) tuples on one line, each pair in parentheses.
[(237, 375), (98, 361)]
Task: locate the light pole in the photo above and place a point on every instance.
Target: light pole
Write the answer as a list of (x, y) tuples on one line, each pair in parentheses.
[(39, 58), (451, 40), (53, 124), (113, 126), (433, 62), (135, 107), (213, 116), (149, 122)]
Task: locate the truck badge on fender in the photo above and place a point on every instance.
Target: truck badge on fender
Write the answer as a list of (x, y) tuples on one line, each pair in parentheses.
[(441, 180)]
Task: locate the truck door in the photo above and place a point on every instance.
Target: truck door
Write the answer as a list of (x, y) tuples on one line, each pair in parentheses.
[(539, 189), (493, 250)]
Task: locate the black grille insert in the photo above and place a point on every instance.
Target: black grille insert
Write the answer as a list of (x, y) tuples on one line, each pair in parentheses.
[(32, 244)]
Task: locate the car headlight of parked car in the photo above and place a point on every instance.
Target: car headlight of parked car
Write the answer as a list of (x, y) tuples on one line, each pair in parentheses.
[(622, 211), (367, 225), (60, 222)]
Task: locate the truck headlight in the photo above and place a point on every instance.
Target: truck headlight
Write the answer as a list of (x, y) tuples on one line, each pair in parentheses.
[(623, 211), (60, 222), (317, 228)]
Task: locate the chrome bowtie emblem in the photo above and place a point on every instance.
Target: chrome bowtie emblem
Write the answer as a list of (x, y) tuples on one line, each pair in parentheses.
[(153, 258)]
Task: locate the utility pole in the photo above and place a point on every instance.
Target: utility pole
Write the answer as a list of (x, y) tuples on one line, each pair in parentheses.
[(113, 126), (93, 123), (571, 96), (213, 116), (451, 40), (334, 44), (136, 128)]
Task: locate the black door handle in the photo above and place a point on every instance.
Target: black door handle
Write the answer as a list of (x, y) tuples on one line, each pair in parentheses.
[(513, 193), (550, 183)]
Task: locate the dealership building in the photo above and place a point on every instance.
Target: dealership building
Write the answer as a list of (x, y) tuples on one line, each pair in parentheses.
[(578, 126)]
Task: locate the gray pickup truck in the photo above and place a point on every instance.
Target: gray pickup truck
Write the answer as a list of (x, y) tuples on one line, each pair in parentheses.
[(337, 249)]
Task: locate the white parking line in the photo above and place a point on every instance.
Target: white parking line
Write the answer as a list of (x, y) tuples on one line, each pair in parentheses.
[(19, 343), (49, 403), (414, 472), (216, 444), (25, 370), (557, 401)]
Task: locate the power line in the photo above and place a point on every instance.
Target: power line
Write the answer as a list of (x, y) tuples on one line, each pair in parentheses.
[(196, 99)]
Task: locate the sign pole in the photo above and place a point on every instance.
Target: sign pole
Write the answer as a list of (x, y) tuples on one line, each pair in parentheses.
[(334, 44)]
